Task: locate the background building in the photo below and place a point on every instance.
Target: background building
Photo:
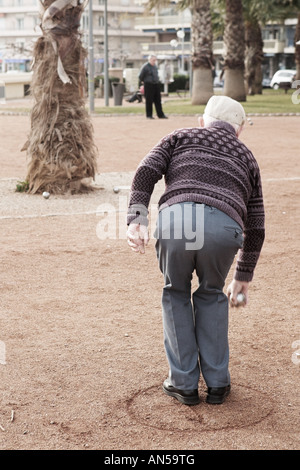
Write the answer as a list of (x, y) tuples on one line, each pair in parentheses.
[(167, 23), (125, 42), (19, 28), (132, 35)]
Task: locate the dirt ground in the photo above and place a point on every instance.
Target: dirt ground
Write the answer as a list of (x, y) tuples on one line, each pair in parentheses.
[(81, 350)]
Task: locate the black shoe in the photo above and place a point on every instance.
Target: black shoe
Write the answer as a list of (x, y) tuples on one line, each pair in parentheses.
[(163, 117), (217, 395), (150, 117), (188, 397)]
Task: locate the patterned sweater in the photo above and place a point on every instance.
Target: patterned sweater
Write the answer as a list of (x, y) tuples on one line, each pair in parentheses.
[(210, 166)]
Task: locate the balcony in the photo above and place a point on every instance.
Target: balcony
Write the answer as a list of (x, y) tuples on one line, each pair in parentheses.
[(19, 9), (165, 49), (218, 48), (158, 23), (273, 46), (17, 33), (289, 50)]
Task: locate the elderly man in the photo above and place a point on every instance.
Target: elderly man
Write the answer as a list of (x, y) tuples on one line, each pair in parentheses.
[(149, 77), (212, 208)]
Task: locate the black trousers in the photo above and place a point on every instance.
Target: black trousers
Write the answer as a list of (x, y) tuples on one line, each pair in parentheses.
[(152, 96)]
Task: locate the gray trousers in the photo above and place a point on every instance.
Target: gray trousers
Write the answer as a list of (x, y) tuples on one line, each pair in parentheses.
[(195, 237)]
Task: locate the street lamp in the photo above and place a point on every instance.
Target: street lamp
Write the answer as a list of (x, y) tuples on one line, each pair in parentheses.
[(173, 43), (180, 35)]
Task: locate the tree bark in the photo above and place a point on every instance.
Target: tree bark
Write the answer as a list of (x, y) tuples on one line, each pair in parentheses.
[(254, 58), (60, 146), (202, 56), (234, 60), (202, 86)]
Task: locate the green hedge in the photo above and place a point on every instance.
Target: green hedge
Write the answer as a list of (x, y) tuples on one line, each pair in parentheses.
[(180, 82), (101, 77), (110, 79)]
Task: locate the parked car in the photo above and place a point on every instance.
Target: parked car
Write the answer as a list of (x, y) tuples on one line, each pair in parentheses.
[(266, 82), (282, 77)]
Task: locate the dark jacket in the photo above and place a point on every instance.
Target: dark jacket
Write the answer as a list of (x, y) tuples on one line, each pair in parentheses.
[(149, 74)]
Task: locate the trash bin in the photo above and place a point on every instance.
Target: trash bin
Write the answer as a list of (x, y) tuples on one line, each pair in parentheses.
[(118, 92)]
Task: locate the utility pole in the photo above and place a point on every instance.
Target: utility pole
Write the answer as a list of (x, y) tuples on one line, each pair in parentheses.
[(91, 59), (106, 82)]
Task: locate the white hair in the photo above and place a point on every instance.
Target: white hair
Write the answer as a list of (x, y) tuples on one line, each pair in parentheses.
[(209, 120)]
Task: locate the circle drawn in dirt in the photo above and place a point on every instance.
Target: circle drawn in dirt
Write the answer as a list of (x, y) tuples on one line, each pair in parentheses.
[(243, 407)]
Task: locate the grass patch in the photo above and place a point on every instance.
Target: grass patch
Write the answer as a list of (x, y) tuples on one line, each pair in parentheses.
[(22, 186), (271, 101), (133, 109)]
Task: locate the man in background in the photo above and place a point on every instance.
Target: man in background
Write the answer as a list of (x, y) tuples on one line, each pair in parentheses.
[(149, 77)]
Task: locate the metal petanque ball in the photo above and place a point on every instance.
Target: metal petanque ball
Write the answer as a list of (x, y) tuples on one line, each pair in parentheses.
[(46, 195), (116, 189), (241, 299)]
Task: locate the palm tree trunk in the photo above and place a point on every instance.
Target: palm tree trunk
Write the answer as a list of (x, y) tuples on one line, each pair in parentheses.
[(297, 48), (60, 145), (254, 57), (234, 39), (202, 56)]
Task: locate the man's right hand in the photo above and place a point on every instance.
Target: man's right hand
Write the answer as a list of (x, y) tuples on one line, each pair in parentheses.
[(137, 237)]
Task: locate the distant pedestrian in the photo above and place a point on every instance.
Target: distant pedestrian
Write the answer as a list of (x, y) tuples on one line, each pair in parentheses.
[(137, 96), (149, 77)]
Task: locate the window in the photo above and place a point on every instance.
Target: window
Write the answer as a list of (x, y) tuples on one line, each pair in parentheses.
[(101, 21), (20, 23)]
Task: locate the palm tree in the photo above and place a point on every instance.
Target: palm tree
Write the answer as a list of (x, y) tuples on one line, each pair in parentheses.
[(202, 46), (256, 13), (234, 60), (202, 52), (253, 57), (60, 145)]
